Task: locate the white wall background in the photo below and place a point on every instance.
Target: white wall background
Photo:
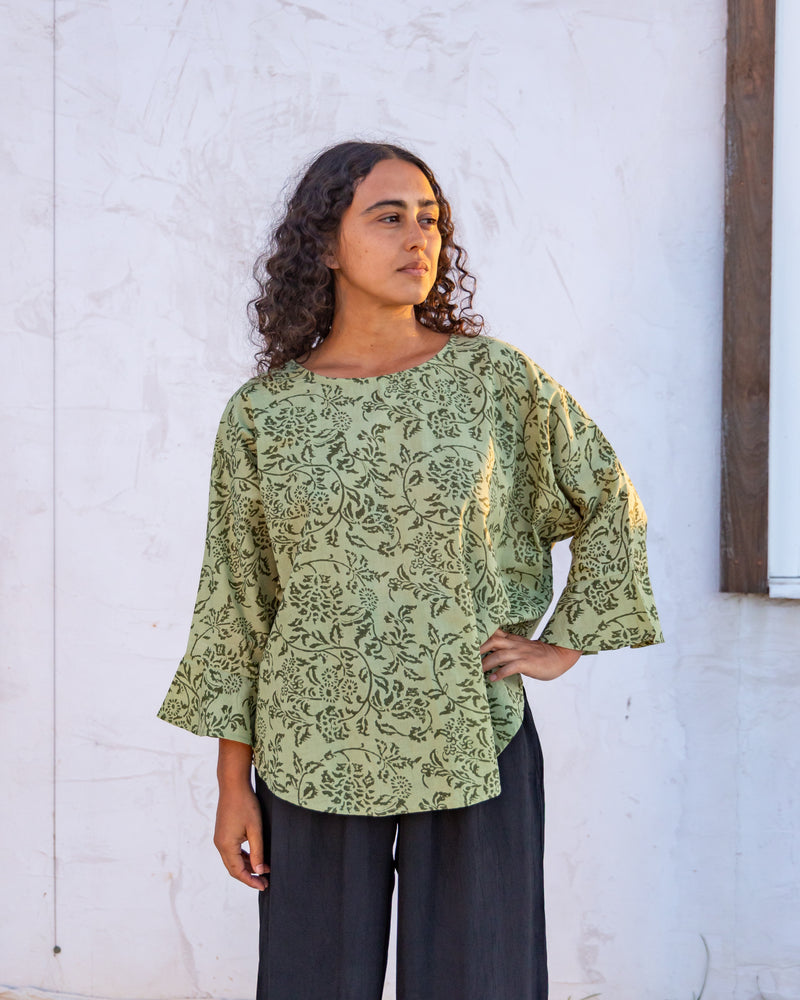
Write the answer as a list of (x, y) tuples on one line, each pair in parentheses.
[(142, 155)]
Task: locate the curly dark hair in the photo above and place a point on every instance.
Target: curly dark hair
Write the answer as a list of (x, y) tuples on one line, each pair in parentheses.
[(295, 309)]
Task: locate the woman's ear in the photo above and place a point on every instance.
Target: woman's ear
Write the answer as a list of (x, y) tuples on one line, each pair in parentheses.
[(329, 259)]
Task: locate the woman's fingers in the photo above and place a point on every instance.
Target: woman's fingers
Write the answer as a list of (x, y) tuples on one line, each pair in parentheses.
[(498, 650), (256, 857), (246, 871), (505, 654), (239, 822), (497, 635), (239, 864)]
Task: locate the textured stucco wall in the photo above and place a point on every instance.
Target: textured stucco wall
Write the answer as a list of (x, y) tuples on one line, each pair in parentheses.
[(582, 146)]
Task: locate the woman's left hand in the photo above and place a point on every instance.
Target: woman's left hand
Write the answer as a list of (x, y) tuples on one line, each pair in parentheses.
[(505, 654)]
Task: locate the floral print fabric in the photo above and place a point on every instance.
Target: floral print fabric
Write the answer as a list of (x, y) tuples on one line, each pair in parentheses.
[(365, 535)]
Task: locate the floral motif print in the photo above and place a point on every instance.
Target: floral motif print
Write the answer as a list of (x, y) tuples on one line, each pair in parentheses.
[(365, 535)]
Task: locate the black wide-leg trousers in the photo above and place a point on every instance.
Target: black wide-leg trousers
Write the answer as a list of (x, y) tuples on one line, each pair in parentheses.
[(470, 896)]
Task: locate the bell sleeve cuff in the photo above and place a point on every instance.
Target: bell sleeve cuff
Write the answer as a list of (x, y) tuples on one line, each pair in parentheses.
[(215, 688), (210, 701), (607, 602)]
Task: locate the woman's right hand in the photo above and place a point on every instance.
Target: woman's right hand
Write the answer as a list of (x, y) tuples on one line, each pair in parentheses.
[(239, 817)]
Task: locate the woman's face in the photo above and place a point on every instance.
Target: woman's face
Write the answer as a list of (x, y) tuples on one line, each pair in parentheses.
[(388, 246)]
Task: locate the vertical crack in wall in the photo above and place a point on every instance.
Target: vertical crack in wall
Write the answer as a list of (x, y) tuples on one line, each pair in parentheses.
[(175, 887), (56, 947), (738, 842)]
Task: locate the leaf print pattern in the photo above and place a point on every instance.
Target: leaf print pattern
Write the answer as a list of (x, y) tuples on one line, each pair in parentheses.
[(365, 535)]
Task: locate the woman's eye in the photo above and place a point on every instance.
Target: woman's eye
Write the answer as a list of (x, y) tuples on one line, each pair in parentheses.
[(390, 218)]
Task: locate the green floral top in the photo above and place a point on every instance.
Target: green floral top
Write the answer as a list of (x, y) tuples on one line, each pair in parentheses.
[(365, 535)]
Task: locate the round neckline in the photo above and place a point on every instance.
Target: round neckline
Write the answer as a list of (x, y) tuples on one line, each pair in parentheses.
[(373, 378)]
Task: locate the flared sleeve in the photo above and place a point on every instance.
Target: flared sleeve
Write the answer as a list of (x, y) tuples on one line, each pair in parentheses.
[(585, 494), (214, 689)]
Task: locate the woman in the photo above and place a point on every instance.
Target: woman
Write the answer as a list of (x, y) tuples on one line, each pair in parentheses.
[(384, 498)]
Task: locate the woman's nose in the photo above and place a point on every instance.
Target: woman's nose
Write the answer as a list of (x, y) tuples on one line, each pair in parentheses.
[(416, 236)]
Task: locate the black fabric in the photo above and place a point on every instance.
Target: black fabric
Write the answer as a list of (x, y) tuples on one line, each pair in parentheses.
[(470, 896)]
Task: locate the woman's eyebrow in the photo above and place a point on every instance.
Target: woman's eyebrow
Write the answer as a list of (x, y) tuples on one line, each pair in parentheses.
[(399, 203)]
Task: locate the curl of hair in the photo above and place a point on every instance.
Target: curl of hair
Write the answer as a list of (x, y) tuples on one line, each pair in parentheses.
[(295, 307)]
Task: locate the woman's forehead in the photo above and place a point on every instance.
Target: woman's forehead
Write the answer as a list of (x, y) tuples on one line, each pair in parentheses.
[(394, 180)]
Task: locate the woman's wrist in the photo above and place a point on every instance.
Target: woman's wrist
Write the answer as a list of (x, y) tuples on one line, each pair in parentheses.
[(234, 764)]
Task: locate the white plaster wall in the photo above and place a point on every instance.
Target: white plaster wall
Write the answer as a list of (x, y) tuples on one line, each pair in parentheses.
[(26, 497), (582, 146)]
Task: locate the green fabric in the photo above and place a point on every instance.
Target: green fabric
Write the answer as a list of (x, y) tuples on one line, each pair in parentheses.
[(365, 535)]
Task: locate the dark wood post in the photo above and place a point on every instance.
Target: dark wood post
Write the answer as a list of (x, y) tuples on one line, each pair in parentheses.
[(746, 309)]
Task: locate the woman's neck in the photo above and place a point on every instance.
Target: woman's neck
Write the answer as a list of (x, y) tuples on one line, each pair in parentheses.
[(376, 346)]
